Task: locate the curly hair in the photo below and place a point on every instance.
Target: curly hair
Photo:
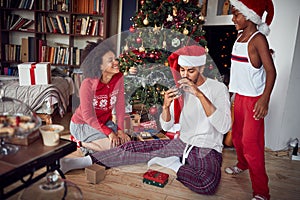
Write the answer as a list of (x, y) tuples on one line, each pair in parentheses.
[(92, 56)]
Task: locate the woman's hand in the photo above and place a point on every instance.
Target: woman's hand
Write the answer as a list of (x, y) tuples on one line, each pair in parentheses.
[(114, 139), (123, 137)]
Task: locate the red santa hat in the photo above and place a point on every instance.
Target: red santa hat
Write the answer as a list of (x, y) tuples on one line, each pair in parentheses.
[(253, 10), (188, 56)]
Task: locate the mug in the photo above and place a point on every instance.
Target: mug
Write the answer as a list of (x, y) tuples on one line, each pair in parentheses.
[(51, 134)]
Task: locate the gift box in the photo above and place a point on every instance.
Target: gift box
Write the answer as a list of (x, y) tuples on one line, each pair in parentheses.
[(149, 124), (156, 178), (95, 173), (149, 135), (31, 73)]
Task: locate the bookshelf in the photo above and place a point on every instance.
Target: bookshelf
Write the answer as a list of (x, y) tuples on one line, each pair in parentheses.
[(54, 31)]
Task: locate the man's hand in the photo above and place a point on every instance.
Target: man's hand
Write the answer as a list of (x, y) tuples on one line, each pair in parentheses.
[(188, 86), (261, 108)]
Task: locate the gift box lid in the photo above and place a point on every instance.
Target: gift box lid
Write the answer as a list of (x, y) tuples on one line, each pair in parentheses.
[(26, 65)]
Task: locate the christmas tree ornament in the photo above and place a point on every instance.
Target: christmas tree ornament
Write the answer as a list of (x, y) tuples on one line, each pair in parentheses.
[(206, 49), (166, 63), (151, 55), (175, 42), (132, 29), (156, 29), (146, 21), (170, 18), (142, 2), (142, 48), (174, 11), (185, 31), (201, 18), (139, 40), (164, 44), (186, 1), (126, 48), (153, 110)]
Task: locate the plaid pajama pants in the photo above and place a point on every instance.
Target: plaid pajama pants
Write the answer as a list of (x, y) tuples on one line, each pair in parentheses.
[(201, 172)]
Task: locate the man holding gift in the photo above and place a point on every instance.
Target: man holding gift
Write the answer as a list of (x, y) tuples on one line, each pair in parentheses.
[(203, 114)]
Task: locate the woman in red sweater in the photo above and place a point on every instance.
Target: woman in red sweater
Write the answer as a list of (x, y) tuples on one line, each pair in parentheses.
[(91, 125)]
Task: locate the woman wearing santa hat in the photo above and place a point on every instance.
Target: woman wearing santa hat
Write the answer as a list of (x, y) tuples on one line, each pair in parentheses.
[(201, 115), (252, 78)]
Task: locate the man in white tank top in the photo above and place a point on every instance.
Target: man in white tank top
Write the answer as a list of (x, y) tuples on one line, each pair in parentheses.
[(252, 78)]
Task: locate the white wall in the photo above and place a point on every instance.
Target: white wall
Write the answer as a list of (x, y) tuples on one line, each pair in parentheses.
[(283, 121)]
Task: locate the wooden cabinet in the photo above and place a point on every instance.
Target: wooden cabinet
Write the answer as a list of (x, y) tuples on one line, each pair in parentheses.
[(50, 30)]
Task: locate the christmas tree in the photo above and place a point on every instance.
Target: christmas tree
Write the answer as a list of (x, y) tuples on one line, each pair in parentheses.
[(159, 28)]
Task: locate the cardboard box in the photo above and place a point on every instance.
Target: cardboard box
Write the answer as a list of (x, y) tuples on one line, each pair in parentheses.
[(31, 73), (95, 173)]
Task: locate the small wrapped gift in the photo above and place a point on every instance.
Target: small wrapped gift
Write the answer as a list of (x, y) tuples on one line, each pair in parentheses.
[(156, 178), (31, 73), (149, 124)]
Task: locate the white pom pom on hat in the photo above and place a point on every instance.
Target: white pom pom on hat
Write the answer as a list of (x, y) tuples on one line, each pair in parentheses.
[(254, 10)]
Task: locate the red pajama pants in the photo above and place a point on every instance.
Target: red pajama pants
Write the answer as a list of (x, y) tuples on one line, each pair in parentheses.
[(248, 140)]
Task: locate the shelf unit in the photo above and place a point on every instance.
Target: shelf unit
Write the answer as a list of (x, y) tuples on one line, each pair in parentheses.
[(77, 21)]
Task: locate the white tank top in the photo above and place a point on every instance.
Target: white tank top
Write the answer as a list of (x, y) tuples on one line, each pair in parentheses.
[(245, 79)]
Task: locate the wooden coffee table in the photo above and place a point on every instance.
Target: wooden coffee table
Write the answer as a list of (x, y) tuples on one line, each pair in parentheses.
[(28, 160)]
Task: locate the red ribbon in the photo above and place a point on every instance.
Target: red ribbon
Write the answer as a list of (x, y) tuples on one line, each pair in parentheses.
[(32, 74)]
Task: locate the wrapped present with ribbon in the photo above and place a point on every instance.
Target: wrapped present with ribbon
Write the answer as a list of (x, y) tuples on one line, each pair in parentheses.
[(32, 73), (149, 124), (156, 178)]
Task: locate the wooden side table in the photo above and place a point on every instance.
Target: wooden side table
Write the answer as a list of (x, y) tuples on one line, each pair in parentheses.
[(28, 160)]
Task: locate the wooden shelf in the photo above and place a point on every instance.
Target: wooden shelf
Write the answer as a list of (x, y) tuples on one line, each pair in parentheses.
[(40, 31)]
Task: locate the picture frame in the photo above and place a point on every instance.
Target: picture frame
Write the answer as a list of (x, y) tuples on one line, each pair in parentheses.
[(218, 13)]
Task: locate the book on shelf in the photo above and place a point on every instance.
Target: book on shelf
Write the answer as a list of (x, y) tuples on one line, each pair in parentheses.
[(31, 49), (54, 24), (13, 4), (60, 22), (77, 26), (87, 6), (42, 44), (49, 25), (101, 29), (102, 7), (24, 49), (66, 24), (26, 4), (12, 52)]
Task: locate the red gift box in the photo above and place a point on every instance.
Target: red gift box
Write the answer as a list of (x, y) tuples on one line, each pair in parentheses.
[(156, 178)]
